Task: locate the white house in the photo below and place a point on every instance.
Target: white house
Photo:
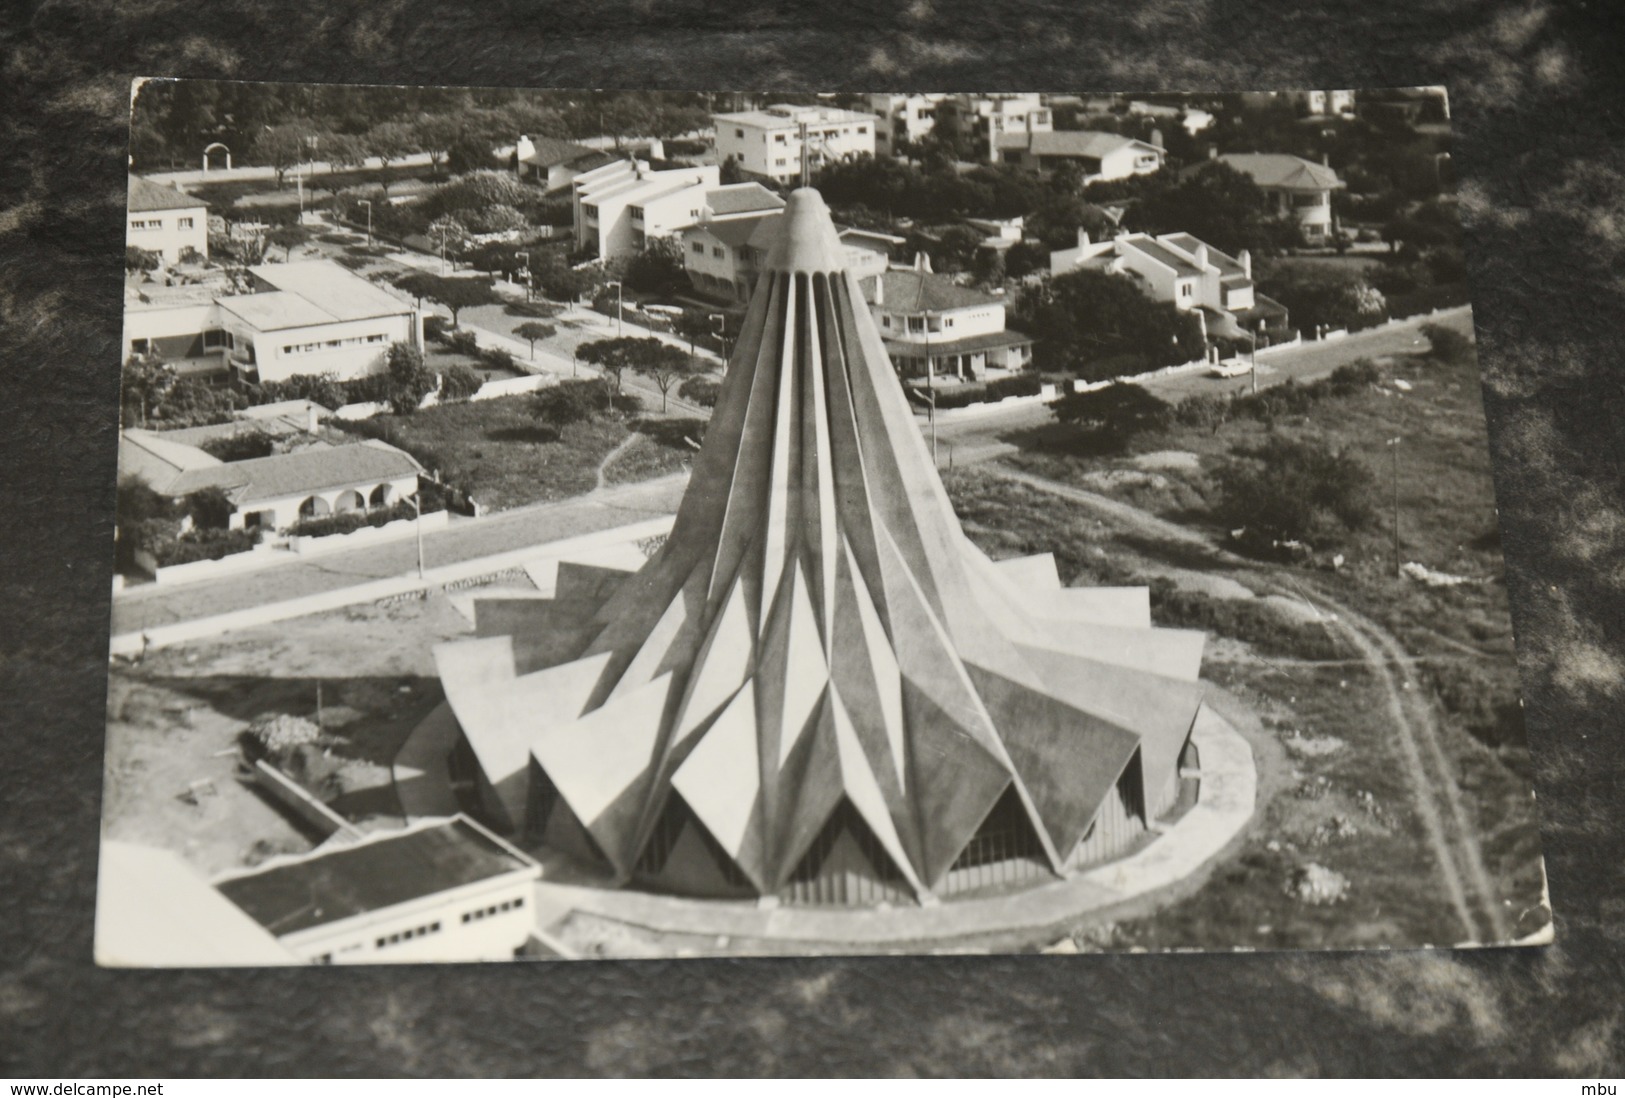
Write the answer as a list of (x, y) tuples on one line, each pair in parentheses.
[(1182, 271), (620, 207), (1334, 101), (275, 492), (310, 317), (1098, 156), (1294, 188), (439, 890), (902, 118), (926, 318), (724, 258), (991, 119), (555, 164), (166, 221), (768, 142)]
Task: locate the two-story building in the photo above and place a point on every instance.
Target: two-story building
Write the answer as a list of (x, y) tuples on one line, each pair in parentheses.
[(902, 118), (621, 207), (1180, 270), (932, 326), (166, 221), (1295, 189), (1098, 156), (310, 317), (723, 258), (992, 119), (767, 142), (438, 890)]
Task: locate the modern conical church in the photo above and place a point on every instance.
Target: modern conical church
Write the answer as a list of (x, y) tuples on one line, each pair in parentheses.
[(818, 689)]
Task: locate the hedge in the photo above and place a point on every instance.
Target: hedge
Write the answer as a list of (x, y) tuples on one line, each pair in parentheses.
[(350, 521)]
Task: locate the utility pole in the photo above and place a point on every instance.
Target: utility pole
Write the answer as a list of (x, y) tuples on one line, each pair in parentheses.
[(620, 309), (930, 386), (806, 172), (367, 202), (1393, 444), (418, 508), (1254, 370)]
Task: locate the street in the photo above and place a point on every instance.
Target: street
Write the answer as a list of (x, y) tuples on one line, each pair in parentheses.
[(139, 608), (987, 436)]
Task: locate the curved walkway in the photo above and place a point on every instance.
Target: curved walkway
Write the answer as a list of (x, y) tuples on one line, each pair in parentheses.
[(1156, 873)]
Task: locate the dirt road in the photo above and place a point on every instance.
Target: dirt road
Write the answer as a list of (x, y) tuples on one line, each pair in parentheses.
[(1450, 833)]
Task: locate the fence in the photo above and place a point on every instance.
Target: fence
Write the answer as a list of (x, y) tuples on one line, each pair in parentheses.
[(367, 535), (201, 570)]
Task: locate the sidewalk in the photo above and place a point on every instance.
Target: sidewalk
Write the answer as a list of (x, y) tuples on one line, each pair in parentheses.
[(371, 573)]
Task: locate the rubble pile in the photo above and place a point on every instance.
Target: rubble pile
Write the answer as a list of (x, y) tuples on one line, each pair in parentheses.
[(1316, 885)]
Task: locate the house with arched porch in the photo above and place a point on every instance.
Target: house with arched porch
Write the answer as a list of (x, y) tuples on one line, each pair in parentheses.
[(278, 491)]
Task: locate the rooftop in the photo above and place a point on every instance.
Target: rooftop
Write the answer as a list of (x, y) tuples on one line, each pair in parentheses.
[(1283, 172), (322, 284), (376, 873), (787, 116), (1092, 144), (736, 198), (176, 467), (922, 291), (147, 196), (550, 152), (968, 345), (1160, 252)]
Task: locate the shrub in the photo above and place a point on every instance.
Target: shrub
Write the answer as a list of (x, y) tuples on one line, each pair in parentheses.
[(1449, 346), (435, 327), (701, 390), (1485, 703), (569, 402), (1293, 490), (463, 343), (326, 525), (540, 310), (197, 544), (498, 358), (459, 382), (241, 446)]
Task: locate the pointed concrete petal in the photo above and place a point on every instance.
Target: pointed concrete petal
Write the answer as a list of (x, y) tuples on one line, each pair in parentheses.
[(720, 781)]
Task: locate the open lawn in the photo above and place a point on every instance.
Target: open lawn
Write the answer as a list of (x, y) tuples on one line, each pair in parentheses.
[(500, 452)]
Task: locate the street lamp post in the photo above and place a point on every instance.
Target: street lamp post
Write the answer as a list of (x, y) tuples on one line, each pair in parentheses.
[(620, 308), (367, 202), (930, 387), (1393, 444), (418, 509), (526, 257), (722, 335)]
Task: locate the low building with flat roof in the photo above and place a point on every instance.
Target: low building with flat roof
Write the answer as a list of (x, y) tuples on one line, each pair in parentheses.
[(310, 317), (767, 142), (439, 890)]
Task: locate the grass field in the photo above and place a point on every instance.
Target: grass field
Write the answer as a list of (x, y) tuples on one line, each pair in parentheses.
[(501, 453)]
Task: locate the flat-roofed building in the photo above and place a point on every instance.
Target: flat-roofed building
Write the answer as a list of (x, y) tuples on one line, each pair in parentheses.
[(768, 142), (310, 317), (439, 890), (621, 207), (166, 221), (902, 119)]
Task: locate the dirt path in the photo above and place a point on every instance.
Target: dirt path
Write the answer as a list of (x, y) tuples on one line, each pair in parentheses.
[(1444, 816), (609, 459)]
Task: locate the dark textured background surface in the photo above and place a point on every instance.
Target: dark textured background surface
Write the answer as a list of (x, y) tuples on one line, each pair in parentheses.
[(1540, 122)]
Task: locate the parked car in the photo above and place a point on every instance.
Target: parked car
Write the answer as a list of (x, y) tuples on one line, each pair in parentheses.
[(1236, 367)]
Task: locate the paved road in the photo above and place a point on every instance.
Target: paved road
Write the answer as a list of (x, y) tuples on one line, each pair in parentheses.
[(987, 437), (143, 607)]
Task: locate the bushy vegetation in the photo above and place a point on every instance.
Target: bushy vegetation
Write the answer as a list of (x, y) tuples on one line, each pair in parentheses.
[(1449, 346), (324, 525), (1113, 415), (240, 446), (963, 396), (1099, 326), (1293, 490), (1247, 620)]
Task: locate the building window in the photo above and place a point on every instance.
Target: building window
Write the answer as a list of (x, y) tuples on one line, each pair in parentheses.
[(719, 252), (186, 223), (637, 213), (1184, 289), (885, 320), (739, 133), (494, 909), (699, 248), (408, 935), (780, 162)]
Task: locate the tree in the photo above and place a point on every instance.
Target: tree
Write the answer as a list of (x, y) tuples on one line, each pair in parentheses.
[(343, 150), (1114, 414), (140, 259), (1218, 205), (434, 134), (663, 364), (390, 141), (468, 153), (658, 268), (409, 380), (457, 294), (987, 264), (459, 382), (147, 381), (691, 324), (420, 284), (282, 147), (450, 234), (1448, 345), (616, 356), (287, 237), (1332, 297), (571, 402), (1100, 325), (533, 330)]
